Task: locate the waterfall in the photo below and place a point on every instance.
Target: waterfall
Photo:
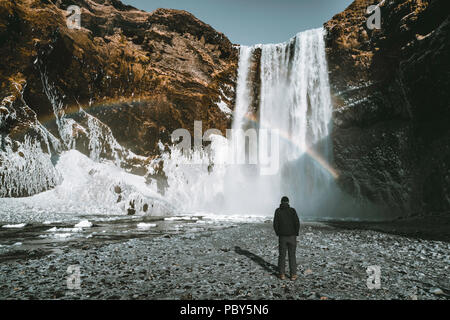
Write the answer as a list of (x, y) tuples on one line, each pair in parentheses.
[(295, 99), (242, 87), (295, 108)]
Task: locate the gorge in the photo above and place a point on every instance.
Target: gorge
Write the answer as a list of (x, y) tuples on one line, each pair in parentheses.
[(86, 115)]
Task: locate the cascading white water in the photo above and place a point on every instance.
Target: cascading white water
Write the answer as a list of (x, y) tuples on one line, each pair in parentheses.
[(295, 103), (295, 99), (242, 87)]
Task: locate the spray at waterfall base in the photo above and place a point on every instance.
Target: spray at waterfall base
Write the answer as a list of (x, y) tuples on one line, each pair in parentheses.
[(234, 175)]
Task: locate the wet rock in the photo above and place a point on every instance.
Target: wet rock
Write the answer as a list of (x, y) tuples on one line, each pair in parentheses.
[(131, 210), (437, 291)]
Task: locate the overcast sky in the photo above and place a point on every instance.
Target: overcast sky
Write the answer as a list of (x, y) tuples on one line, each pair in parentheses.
[(250, 22)]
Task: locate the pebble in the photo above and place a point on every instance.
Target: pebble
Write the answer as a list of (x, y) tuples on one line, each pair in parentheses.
[(437, 291)]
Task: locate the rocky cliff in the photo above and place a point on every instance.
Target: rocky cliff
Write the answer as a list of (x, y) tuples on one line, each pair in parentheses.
[(111, 89), (127, 78), (392, 104)]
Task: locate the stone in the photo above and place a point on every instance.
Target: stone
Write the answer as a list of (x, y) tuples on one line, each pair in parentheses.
[(437, 291)]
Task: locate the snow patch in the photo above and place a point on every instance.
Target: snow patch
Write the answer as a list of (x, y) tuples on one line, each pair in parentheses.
[(84, 224), (90, 188), (55, 229), (20, 225), (224, 107), (145, 226)]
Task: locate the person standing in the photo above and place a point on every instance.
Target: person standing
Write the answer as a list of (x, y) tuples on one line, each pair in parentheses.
[(286, 225)]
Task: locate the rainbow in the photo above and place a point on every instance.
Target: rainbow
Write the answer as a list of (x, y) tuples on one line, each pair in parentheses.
[(309, 151)]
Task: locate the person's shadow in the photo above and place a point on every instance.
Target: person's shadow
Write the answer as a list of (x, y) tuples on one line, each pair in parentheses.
[(269, 267)]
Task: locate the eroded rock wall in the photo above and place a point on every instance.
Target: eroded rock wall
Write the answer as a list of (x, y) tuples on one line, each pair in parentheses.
[(391, 99)]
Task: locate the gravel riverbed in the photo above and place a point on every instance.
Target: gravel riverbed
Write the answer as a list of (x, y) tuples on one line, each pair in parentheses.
[(235, 262)]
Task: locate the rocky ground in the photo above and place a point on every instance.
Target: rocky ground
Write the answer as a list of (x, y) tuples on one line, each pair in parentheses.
[(235, 262)]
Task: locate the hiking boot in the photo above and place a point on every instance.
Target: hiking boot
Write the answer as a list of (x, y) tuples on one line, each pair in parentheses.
[(294, 277), (282, 277)]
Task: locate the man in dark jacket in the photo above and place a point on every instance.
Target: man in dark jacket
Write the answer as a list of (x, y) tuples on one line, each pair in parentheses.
[(286, 225)]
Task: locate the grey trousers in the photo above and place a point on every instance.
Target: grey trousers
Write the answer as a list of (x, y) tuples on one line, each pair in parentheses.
[(287, 243)]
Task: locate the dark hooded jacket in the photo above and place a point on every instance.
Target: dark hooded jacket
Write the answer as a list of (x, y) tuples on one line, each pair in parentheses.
[(286, 222)]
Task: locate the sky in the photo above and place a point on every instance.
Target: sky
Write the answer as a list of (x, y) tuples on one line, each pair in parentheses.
[(249, 22)]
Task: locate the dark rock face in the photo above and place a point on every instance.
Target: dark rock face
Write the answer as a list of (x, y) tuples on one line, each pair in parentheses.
[(392, 104), (137, 76)]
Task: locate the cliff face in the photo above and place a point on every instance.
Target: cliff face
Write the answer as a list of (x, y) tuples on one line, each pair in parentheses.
[(391, 97), (128, 78), (136, 75)]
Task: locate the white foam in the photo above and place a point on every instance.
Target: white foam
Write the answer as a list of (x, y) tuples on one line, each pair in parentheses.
[(62, 235), (184, 218), (20, 225), (51, 221), (84, 224), (173, 218), (235, 218), (56, 235), (143, 225), (55, 229)]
